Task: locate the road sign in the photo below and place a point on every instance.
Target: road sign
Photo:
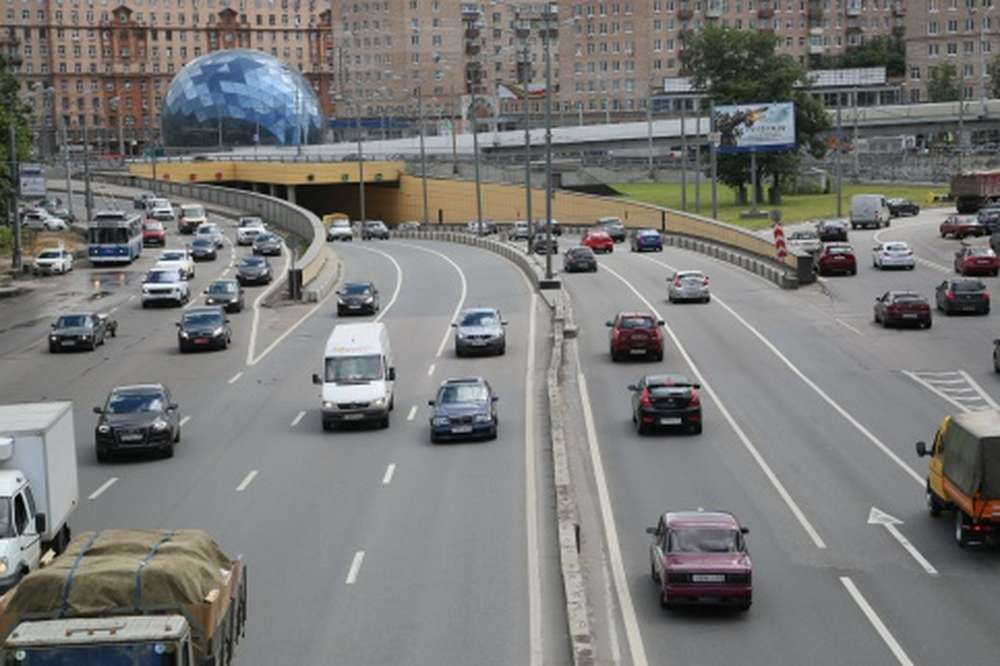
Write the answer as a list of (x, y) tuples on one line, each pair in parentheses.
[(32, 181)]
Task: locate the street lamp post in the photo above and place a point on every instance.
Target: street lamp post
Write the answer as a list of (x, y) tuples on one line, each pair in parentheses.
[(550, 10), (523, 32), (423, 155), (116, 105), (471, 17), (982, 57), (361, 163)]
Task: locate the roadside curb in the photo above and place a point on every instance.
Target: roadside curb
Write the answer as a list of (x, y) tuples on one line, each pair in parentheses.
[(765, 269), (326, 280)]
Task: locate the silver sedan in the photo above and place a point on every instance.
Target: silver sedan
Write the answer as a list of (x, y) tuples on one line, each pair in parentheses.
[(688, 286)]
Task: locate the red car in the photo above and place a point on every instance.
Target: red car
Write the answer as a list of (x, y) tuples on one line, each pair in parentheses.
[(153, 233), (836, 258), (701, 557), (961, 226), (598, 241), (902, 307), (636, 334), (976, 260)]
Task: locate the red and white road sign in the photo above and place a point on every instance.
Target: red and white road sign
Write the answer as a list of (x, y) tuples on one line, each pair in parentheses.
[(779, 240)]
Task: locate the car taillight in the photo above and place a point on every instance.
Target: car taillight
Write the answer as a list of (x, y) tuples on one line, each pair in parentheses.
[(986, 296), (677, 281), (695, 399), (705, 281), (644, 399), (950, 295)]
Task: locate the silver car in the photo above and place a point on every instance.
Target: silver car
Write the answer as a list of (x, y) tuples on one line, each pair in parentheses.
[(480, 330), (688, 286), (212, 232)]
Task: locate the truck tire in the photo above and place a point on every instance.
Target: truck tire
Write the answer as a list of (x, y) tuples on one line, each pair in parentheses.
[(933, 503), (961, 538)]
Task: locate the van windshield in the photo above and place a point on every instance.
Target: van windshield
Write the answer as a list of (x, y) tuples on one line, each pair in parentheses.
[(124, 654), (348, 369)]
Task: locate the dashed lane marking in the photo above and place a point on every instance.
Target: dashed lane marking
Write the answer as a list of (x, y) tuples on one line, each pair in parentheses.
[(247, 480), (352, 573), (185, 420), (235, 378), (298, 417), (389, 471), (104, 486), (430, 370), (876, 622), (412, 414)]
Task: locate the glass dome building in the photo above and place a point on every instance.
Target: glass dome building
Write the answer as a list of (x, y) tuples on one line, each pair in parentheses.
[(227, 98)]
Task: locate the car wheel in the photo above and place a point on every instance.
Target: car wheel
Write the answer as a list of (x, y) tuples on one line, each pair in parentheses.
[(854, 271), (434, 438), (53, 349), (961, 538), (929, 324), (708, 298), (168, 452), (744, 607), (145, 305), (384, 423), (934, 505), (102, 455), (664, 602), (458, 352), (327, 425), (695, 429), (611, 249), (641, 428), (503, 348)]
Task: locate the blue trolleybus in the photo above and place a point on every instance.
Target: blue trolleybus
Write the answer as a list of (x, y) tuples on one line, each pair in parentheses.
[(114, 236)]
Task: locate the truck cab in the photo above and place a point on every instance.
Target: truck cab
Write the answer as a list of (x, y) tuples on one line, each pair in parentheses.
[(20, 528)]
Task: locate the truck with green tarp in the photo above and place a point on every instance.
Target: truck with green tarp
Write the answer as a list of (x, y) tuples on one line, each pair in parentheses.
[(128, 597)]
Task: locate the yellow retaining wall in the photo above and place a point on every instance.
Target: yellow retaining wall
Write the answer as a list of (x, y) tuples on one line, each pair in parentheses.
[(278, 173)]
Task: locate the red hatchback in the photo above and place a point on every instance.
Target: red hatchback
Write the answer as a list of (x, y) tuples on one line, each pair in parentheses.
[(976, 260), (636, 334), (836, 258), (598, 241), (701, 557), (153, 233)]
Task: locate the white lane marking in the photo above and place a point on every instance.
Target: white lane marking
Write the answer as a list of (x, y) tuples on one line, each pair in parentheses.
[(430, 370), (811, 384), (389, 471), (632, 635), (131, 298), (461, 298), (848, 326), (980, 390), (185, 420), (930, 264), (352, 573), (113, 310), (107, 484), (876, 622), (255, 324), (412, 414), (251, 360), (399, 280), (891, 524), (247, 480), (535, 647), (750, 447), (945, 388), (235, 378), (298, 417), (941, 373)]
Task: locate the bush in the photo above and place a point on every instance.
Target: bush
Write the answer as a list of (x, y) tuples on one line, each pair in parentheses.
[(6, 240)]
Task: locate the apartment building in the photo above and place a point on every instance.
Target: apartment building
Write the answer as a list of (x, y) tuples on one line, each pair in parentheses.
[(957, 32)]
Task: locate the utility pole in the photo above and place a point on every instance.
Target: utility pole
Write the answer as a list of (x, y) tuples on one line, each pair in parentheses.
[(15, 186), (524, 31), (475, 152), (684, 156), (649, 135), (855, 160), (714, 159), (697, 163), (982, 59), (423, 156), (361, 165), (961, 126), (549, 10), (840, 155), (69, 181), (88, 200)]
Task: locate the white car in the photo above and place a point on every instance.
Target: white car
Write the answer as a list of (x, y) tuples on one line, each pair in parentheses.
[(805, 240), (178, 260), (212, 231), (39, 220), (164, 286), (893, 254), (248, 229), (53, 261), (162, 213), (340, 230)]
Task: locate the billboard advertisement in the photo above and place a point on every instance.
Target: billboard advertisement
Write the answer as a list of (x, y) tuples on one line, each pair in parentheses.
[(745, 128), (32, 179)]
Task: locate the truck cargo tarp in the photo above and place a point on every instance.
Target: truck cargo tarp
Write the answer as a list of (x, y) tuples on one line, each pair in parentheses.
[(125, 569), (971, 460)]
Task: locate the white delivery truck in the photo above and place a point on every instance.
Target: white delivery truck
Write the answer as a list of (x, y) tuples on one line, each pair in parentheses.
[(358, 375), (869, 210), (38, 484)]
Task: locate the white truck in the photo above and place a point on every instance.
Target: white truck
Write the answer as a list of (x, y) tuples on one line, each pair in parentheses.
[(38, 484)]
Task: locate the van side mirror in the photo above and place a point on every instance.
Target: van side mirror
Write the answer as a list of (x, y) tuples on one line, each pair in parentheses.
[(52, 325), (40, 523), (632, 387), (744, 530), (316, 379), (98, 410), (922, 449), (430, 402), (177, 324), (173, 407), (454, 325), (661, 323), (651, 530), (392, 374), (608, 323), (495, 398)]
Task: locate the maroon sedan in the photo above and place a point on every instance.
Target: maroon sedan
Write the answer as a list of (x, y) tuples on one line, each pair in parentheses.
[(636, 334), (902, 307), (701, 557), (836, 258), (153, 233), (962, 226), (976, 260)]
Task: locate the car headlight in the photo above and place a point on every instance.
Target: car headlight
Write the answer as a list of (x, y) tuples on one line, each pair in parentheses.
[(184, 334), (4, 565), (104, 428), (378, 403), (85, 336), (217, 332), (461, 334), (439, 420), (160, 424), (328, 405), (370, 299), (484, 418), (210, 301), (53, 337)]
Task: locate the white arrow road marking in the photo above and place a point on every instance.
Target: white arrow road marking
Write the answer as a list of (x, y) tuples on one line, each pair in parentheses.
[(876, 622), (107, 484), (890, 523), (352, 574)]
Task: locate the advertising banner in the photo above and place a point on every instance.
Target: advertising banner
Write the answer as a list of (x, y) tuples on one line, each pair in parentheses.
[(32, 181), (762, 127)]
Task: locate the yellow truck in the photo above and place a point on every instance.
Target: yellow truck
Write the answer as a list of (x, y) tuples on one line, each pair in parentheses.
[(964, 474)]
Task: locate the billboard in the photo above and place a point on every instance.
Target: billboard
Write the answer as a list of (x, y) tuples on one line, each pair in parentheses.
[(32, 179), (745, 128)]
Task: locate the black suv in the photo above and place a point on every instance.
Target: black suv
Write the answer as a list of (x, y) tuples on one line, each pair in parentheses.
[(956, 295), (81, 331), (357, 298), (142, 417), (464, 409), (204, 328), (670, 400), (832, 231)]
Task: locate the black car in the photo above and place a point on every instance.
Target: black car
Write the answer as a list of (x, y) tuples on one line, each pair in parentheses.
[(579, 259), (81, 331), (542, 245), (540, 228), (374, 229), (901, 207), (962, 295), (668, 400), (226, 293), (464, 409), (204, 327), (832, 231), (989, 217), (357, 298), (269, 244), (614, 227), (254, 270), (203, 249), (141, 417)]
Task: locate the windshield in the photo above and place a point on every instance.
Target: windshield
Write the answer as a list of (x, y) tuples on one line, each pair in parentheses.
[(463, 393), (127, 403), (580, 252), (153, 226), (202, 242), (6, 527), (250, 222), (106, 235), (838, 250), (896, 247), (142, 654), (172, 256), (342, 224), (222, 288), (968, 286), (355, 289), (193, 211), (980, 251), (200, 319), (907, 298), (251, 262), (73, 321), (50, 254), (354, 368), (803, 235), (207, 229), (636, 322), (163, 277), (480, 319), (703, 540)]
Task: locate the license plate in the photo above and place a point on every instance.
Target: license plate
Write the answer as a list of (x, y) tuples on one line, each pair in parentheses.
[(353, 417), (353, 307), (134, 437), (909, 316), (670, 420), (477, 343), (708, 578), (461, 430), (968, 307), (636, 351), (201, 341), (68, 343)]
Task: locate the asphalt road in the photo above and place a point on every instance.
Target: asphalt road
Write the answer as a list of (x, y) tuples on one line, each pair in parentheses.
[(809, 423), (364, 546)]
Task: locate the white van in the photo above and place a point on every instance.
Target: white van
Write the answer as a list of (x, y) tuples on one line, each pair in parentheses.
[(358, 375), (869, 210)]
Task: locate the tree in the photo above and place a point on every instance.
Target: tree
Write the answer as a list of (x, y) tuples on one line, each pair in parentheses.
[(741, 67), (943, 85), (12, 110), (887, 51), (993, 70)]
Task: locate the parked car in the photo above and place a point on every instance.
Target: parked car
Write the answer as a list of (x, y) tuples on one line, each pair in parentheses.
[(545, 246), (577, 259), (598, 240), (83, 330), (836, 258), (701, 557), (614, 227), (636, 334), (520, 231), (374, 229), (165, 286), (464, 409), (40, 220), (340, 230), (956, 295), (902, 307), (267, 244), (357, 298), (893, 254), (226, 293), (204, 327), (211, 231), (976, 260), (480, 330), (153, 233), (832, 231), (247, 229), (140, 417), (203, 249), (688, 286), (254, 270), (962, 226), (53, 261), (805, 241), (669, 400), (646, 239), (902, 207)]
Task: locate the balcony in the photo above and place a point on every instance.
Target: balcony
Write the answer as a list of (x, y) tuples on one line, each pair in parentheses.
[(899, 8), (853, 8), (816, 49), (765, 13), (714, 9), (685, 14)]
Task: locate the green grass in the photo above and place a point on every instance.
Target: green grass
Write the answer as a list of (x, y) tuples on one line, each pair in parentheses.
[(794, 208)]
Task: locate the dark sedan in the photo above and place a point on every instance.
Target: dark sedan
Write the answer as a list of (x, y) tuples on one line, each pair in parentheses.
[(902, 307), (543, 245), (901, 207), (464, 409), (614, 227), (81, 331), (556, 229), (254, 270), (204, 328), (357, 298), (141, 417), (374, 229), (226, 293), (665, 401), (646, 239), (962, 295), (579, 259), (267, 244), (203, 249), (831, 231), (989, 217)]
